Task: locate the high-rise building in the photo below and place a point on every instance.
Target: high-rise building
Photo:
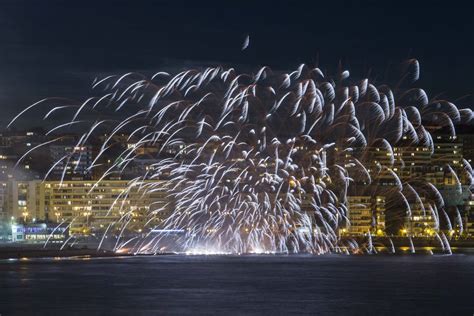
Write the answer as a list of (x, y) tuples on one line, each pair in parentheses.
[(71, 162), (421, 220), (3, 195), (21, 201), (468, 218), (88, 205), (465, 134), (94, 206), (366, 215), (448, 150)]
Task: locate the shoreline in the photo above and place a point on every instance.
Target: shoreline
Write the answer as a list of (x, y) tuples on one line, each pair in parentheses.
[(24, 253), (382, 245)]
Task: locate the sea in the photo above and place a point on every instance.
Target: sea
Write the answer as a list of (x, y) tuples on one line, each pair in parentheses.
[(239, 285)]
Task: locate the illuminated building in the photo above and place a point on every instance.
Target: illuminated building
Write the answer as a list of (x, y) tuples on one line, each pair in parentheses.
[(3, 195), (139, 166), (448, 150), (468, 147), (38, 233), (366, 215), (411, 162), (407, 162), (88, 207), (92, 207), (421, 221), (468, 219), (21, 201), (73, 161)]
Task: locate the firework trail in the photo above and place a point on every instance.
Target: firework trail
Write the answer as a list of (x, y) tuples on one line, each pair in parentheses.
[(246, 42), (263, 161)]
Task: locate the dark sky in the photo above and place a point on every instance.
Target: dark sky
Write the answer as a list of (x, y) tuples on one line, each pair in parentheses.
[(56, 48)]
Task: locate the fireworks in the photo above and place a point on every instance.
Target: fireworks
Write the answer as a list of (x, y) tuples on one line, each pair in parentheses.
[(261, 162)]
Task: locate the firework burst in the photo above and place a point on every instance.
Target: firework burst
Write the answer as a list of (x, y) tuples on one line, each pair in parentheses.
[(263, 161)]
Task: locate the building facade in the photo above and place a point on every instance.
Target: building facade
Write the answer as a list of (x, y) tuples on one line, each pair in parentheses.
[(87, 205), (366, 215)]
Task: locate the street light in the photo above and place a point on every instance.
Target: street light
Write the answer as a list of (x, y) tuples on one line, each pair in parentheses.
[(87, 214), (57, 216), (25, 215)]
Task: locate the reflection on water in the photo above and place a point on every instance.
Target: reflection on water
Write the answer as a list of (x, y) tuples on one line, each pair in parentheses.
[(348, 285)]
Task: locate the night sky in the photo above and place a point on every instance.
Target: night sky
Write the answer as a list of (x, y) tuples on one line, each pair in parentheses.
[(56, 48)]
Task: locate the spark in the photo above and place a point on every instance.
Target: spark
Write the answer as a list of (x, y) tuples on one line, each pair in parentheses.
[(246, 43)]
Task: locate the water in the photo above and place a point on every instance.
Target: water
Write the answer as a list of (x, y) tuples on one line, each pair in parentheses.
[(327, 285)]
